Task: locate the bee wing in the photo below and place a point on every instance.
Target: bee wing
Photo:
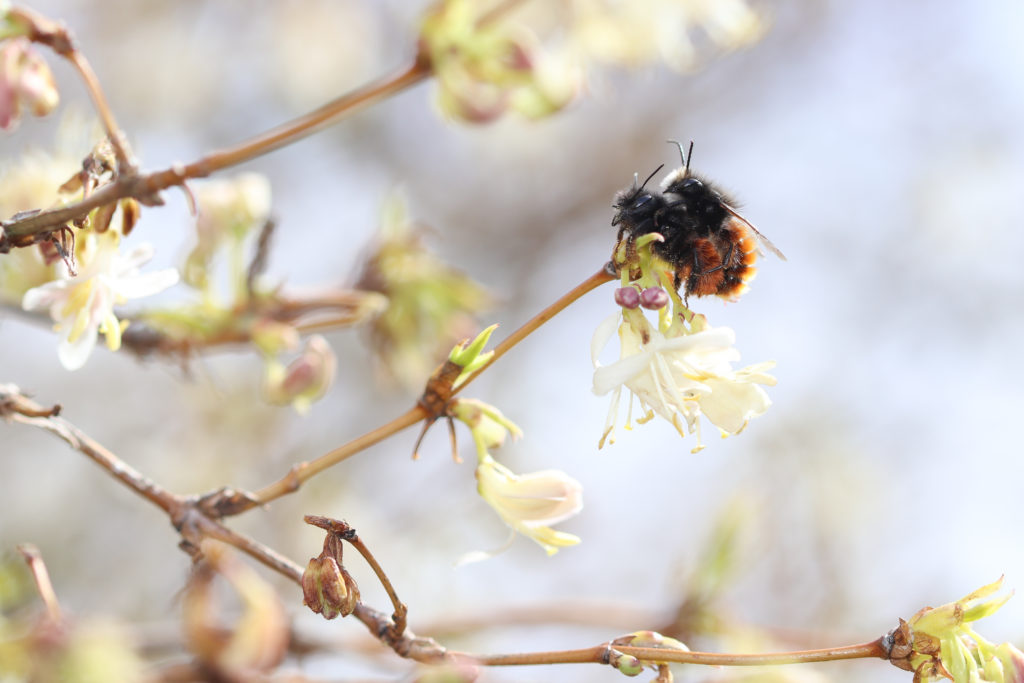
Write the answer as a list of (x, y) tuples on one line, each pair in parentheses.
[(765, 242)]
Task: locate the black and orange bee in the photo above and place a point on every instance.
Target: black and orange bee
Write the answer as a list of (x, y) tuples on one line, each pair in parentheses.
[(709, 244)]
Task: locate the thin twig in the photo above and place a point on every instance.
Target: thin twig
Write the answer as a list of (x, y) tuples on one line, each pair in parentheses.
[(873, 649), (42, 578), (146, 187), (306, 470), (194, 525), (594, 281), (184, 512), (303, 471), (16, 407), (310, 123), (125, 161), (58, 38)]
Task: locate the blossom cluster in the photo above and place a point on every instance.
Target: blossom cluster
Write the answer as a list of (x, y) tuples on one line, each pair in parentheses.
[(680, 367)]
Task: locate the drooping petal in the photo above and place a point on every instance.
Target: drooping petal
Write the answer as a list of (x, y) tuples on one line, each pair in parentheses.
[(74, 354), (602, 335), (530, 503), (129, 263), (730, 405), (139, 286), (44, 296)]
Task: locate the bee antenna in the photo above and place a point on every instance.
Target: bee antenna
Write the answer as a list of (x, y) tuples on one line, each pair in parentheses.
[(648, 177), (684, 157)]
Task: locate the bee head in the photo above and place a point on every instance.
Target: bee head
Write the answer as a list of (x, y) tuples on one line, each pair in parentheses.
[(634, 201)]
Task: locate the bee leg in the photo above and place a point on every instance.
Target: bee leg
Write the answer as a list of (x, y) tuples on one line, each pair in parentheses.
[(720, 266)]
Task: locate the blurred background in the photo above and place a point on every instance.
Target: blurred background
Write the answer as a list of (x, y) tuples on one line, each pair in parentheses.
[(877, 144)]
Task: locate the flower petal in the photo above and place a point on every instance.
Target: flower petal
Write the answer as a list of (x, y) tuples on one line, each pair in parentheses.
[(73, 354), (138, 286), (730, 404), (601, 337), (44, 296)]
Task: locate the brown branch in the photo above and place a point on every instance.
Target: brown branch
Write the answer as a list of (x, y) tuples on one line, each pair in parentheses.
[(194, 525), (239, 502), (304, 471), (125, 160), (16, 407), (600, 654), (593, 282), (184, 512), (18, 232), (310, 123)]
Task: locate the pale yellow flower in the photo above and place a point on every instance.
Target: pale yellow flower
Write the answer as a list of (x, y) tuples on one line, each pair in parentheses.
[(83, 306), (680, 375), (531, 503)]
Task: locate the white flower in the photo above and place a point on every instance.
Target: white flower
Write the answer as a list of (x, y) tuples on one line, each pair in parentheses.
[(82, 306), (680, 377), (639, 33), (531, 503)]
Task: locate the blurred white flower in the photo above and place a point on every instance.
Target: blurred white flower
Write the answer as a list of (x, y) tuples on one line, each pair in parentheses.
[(531, 503), (680, 376), (639, 33), (229, 209), (83, 306)]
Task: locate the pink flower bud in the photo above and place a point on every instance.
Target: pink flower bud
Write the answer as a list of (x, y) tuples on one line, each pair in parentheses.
[(25, 81), (305, 379), (653, 298), (627, 297)]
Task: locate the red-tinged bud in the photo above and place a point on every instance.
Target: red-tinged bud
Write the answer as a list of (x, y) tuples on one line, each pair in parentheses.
[(25, 83)]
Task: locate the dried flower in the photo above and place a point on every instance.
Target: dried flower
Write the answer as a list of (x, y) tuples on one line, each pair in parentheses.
[(83, 306), (327, 588), (531, 503)]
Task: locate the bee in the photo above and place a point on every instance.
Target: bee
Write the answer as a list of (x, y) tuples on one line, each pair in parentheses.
[(711, 247)]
